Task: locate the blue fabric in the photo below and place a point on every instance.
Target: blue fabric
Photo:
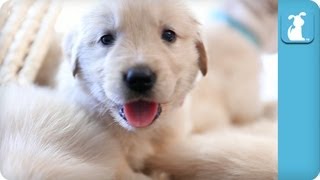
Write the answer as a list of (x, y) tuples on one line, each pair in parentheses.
[(221, 16)]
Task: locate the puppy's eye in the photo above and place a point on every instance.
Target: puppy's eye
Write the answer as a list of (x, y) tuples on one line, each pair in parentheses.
[(169, 36), (108, 39)]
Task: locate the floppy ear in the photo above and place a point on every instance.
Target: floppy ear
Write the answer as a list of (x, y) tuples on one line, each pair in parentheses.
[(291, 17), (70, 50), (203, 61), (302, 14)]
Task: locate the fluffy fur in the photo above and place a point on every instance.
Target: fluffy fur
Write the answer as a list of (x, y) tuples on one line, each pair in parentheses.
[(230, 93), (167, 145), (99, 79), (99, 69), (46, 137)]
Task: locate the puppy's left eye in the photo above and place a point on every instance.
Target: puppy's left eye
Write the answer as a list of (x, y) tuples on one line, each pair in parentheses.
[(169, 36), (107, 39)]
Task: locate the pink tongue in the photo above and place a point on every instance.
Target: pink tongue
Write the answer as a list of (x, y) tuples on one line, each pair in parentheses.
[(140, 114)]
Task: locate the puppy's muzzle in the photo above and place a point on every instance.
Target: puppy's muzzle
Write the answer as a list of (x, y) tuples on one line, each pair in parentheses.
[(140, 79), (140, 113)]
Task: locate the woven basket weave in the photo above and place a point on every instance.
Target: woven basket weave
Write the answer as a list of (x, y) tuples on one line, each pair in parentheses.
[(26, 31)]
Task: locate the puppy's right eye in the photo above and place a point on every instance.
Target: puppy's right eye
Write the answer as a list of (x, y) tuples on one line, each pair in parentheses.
[(169, 36), (107, 39)]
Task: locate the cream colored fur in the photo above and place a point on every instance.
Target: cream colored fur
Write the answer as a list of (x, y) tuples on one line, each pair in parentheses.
[(46, 137), (168, 145), (230, 93), (229, 154), (99, 78)]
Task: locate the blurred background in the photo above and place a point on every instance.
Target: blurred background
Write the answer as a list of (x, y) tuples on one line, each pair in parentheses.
[(71, 11)]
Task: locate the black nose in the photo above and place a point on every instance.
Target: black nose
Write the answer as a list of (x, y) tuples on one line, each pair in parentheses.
[(140, 79)]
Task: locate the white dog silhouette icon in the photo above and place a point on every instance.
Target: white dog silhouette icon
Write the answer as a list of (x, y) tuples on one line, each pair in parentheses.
[(295, 30)]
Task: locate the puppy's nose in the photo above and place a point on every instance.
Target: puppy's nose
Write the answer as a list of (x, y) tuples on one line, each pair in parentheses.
[(140, 79)]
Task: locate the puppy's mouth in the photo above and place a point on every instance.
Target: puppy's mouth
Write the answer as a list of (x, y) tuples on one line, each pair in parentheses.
[(140, 114)]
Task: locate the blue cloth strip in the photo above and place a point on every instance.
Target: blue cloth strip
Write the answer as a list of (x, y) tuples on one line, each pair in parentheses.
[(221, 16)]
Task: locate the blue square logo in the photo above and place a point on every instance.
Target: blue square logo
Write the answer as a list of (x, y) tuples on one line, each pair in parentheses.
[(297, 28)]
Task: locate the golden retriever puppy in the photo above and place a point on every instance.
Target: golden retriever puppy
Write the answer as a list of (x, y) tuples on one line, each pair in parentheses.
[(43, 136), (134, 63), (237, 34)]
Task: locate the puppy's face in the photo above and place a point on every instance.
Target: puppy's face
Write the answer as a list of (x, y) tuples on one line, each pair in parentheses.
[(137, 59)]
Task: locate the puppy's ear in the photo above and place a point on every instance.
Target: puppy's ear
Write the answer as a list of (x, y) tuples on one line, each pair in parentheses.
[(203, 60), (70, 51)]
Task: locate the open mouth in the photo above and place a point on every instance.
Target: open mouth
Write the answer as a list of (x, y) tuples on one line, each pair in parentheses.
[(140, 114)]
